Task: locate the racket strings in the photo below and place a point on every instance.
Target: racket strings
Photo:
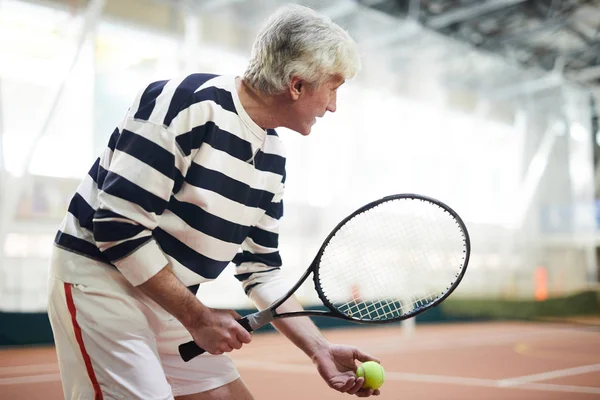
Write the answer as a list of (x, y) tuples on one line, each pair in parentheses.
[(357, 307), (390, 261)]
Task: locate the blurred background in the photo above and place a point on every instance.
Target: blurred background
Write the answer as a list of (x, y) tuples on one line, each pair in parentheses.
[(488, 105)]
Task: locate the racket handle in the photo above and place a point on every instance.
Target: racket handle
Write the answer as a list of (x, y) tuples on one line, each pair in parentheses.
[(245, 322), (190, 350)]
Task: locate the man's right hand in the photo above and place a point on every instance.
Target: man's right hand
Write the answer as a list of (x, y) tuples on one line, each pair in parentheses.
[(218, 332)]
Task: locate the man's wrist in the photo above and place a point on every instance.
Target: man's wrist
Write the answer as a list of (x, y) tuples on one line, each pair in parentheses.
[(319, 346), (197, 317)]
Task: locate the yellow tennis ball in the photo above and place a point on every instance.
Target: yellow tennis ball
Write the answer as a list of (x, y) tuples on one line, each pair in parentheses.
[(373, 373)]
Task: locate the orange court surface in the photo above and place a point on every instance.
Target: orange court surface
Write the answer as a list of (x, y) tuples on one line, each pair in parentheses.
[(492, 360)]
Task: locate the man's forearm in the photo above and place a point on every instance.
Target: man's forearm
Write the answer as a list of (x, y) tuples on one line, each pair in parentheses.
[(300, 330), (170, 293)]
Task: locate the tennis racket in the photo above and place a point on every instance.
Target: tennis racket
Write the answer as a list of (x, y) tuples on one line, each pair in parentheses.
[(388, 261)]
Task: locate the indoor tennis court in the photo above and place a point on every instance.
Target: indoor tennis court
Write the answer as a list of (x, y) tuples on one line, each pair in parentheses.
[(455, 361), (487, 109)]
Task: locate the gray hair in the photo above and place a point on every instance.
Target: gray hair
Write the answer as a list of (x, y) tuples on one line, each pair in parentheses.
[(297, 41)]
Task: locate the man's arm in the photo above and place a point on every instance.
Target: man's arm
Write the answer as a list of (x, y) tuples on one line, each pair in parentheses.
[(213, 330), (300, 330)]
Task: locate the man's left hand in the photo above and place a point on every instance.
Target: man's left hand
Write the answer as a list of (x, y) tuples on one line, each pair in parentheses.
[(337, 366)]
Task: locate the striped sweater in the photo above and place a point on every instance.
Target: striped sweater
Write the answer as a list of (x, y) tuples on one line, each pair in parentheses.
[(187, 179)]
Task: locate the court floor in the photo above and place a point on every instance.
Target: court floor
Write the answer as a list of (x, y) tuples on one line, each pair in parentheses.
[(452, 361)]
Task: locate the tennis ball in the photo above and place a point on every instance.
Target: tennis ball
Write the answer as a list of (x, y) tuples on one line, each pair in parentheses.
[(373, 373)]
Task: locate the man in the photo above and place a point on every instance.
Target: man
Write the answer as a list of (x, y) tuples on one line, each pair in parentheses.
[(194, 172)]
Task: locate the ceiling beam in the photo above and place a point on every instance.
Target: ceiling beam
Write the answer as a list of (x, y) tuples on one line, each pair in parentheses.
[(586, 74), (525, 34), (372, 3), (549, 81), (414, 9), (469, 12)]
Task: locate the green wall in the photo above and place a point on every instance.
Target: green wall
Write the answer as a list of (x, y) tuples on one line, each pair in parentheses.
[(17, 329)]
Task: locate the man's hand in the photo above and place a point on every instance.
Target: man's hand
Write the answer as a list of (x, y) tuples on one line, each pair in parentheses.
[(218, 332), (337, 366)]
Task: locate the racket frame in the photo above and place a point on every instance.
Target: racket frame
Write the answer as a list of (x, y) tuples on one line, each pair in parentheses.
[(260, 318)]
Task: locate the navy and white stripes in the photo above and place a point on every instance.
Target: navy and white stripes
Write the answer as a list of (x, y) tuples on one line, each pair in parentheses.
[(187, 179)]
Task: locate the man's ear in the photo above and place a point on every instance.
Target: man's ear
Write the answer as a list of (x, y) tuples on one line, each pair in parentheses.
[(297, 87)]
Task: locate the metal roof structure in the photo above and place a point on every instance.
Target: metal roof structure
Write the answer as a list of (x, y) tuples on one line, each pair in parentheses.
[(552, 35)]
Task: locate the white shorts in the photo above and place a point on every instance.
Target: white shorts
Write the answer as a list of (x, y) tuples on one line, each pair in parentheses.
[(114, 342)]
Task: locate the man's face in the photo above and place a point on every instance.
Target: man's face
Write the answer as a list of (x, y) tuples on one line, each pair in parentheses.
[(312, 103)]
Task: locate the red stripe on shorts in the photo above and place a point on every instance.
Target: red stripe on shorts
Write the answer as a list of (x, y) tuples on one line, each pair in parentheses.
[(86, 356)]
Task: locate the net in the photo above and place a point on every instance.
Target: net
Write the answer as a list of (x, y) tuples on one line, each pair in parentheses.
[(393, 260)]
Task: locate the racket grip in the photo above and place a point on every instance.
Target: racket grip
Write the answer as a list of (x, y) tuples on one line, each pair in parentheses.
[(245, 322), (191, 350)]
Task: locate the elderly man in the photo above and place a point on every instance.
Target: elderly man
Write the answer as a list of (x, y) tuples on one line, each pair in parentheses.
[(191, 180)]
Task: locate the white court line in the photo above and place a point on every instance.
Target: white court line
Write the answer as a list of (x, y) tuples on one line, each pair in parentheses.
[(524, 382), (427, 378), (559, 373), (30, 379), (28, 369), (491, 383), (549, 387)]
